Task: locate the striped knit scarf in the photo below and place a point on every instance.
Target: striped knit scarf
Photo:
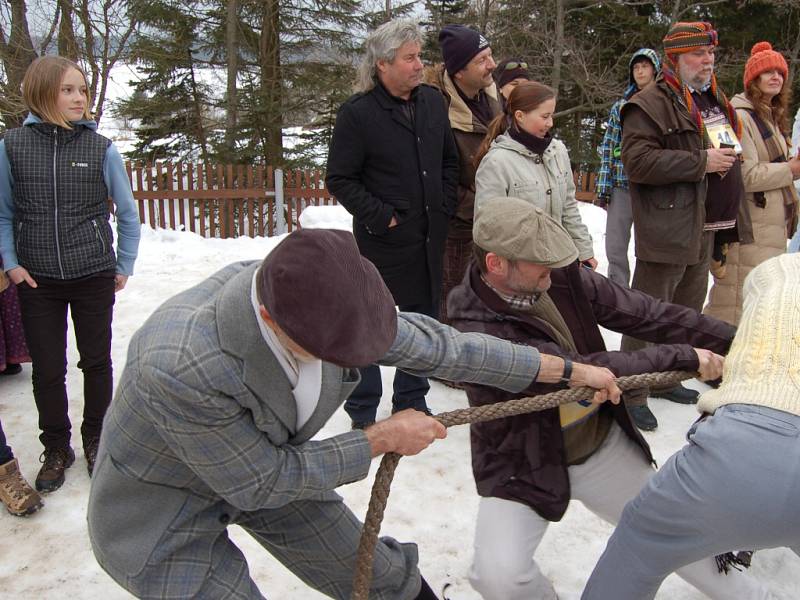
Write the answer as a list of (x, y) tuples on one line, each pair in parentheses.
[(684, 96)]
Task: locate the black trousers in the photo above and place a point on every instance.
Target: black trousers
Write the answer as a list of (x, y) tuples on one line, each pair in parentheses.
[(90, 301), (409, 390), (6, 454)]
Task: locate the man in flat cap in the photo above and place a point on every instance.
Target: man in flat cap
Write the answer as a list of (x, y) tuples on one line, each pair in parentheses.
[(526, 285), (684, 186), (473, 100), (224, 387)]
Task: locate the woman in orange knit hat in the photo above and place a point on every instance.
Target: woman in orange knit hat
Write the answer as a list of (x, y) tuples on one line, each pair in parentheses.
[(768, 173)]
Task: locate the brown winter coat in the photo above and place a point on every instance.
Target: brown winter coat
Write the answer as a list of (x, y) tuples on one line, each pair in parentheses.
[(664, 159), (522, 458), (468, 133), (769, 224)]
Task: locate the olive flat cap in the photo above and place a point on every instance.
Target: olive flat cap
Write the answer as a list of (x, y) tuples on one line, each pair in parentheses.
[(517, 230), (328, 298)]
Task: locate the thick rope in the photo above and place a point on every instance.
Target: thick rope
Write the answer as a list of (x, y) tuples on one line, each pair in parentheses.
[(383, 478)]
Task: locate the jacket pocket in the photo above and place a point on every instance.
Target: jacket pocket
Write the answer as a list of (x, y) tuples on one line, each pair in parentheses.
[(530, 191), (99, 236), (674, 196)]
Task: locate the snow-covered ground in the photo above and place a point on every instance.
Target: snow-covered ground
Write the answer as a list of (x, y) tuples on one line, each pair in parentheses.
[(433, 500)]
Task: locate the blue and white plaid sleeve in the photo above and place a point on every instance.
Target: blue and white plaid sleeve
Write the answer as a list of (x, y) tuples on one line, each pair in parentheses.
[(611, 140), (427, 348)]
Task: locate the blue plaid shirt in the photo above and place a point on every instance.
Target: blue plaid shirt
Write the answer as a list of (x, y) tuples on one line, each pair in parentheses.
[(612, 173)]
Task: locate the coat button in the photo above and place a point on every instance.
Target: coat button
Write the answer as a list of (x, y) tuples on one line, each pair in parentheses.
[(224, 518), (419, 139), (424, 173), (548, 192)]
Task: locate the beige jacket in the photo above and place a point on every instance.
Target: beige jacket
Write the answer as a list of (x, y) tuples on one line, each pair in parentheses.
[(769, 223), (510, 169)]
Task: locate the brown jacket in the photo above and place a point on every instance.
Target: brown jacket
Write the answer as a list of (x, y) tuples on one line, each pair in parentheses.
[(522, 458), (664, 159), (769, 223), (468, 133)]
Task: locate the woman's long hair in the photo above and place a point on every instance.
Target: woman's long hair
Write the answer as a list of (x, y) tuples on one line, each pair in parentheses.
[(527, 96), (775, 110)]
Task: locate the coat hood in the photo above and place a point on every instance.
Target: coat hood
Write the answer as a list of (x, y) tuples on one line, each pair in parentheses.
[(506, 142), (32, 119), (650, 55), (742, 101), (460, 115)]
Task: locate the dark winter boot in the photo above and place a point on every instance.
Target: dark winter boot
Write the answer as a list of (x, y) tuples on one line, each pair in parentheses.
[(90, 452), (55, 462), (16, 493), (643, 417)]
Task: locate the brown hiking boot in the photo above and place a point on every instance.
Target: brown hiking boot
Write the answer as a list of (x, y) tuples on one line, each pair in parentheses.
[(90, 452), (55, 462), (18, 496)]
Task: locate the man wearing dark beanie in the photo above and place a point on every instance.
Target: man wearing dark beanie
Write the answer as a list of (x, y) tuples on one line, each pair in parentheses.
[(473, 100), (224, 387)]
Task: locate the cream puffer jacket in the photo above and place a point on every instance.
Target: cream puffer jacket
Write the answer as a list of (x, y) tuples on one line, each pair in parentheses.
[(769, 222), (512, 170)]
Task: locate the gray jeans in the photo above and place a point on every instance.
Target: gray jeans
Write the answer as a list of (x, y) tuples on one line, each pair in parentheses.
[(734, 486), (619, 220)]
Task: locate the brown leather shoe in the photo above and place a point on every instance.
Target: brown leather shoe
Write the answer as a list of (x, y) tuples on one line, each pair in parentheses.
[(55, 462), (16, 493)]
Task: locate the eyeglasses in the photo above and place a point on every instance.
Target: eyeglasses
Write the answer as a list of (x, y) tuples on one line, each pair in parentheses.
[(510, 66)]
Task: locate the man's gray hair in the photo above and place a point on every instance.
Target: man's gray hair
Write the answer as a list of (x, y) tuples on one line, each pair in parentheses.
[(382, 44)]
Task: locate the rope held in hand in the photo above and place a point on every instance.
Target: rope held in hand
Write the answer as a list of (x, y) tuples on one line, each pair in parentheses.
[(478, 414)]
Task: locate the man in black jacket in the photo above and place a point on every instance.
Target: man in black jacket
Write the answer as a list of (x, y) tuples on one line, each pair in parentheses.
[(393, 165), (526, 285)]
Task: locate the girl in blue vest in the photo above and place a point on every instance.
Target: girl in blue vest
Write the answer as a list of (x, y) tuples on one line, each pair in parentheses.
[(56, 175)]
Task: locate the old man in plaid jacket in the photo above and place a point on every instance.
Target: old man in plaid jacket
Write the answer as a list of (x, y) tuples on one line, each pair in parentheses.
[(224, 387)]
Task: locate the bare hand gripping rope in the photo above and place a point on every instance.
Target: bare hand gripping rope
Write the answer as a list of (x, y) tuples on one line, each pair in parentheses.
[(478, 414)]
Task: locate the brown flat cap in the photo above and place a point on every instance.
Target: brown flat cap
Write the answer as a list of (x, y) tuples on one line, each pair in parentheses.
[(517, 230), (328, 298)]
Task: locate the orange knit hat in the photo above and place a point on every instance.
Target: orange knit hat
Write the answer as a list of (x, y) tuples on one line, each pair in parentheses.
[(763, 58)]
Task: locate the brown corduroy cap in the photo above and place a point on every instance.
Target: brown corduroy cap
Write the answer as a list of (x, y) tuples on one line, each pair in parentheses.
[(328, 298), (517, 230)]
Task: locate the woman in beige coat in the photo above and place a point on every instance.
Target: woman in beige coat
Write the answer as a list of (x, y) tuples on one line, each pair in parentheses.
[(520, 159), (768, 173)]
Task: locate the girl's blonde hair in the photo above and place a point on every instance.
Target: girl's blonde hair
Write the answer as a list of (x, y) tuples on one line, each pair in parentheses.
[(41, 88)]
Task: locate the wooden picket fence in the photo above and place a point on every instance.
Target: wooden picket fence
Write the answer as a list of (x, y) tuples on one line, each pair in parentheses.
[(228, 201), (224, 200)]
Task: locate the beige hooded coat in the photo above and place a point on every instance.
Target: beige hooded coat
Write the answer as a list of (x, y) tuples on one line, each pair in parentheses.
[(769, 223)]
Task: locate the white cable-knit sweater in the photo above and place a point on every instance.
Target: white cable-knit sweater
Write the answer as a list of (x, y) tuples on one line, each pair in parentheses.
[(763, 365)]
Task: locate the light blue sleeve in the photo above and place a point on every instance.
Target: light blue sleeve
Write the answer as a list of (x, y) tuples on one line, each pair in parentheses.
[(128, 226), (7, 249)]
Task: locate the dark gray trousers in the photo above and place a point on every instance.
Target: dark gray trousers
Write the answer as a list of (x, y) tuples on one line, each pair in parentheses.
[(619, 220), (686, 285)]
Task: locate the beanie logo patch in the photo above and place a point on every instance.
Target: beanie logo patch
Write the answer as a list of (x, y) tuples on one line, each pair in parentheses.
[(482, 41)]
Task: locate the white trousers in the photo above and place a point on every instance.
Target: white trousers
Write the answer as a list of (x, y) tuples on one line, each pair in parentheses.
[(508, 533)]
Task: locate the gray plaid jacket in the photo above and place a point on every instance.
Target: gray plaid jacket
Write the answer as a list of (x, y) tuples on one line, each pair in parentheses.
[(203, 423)]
